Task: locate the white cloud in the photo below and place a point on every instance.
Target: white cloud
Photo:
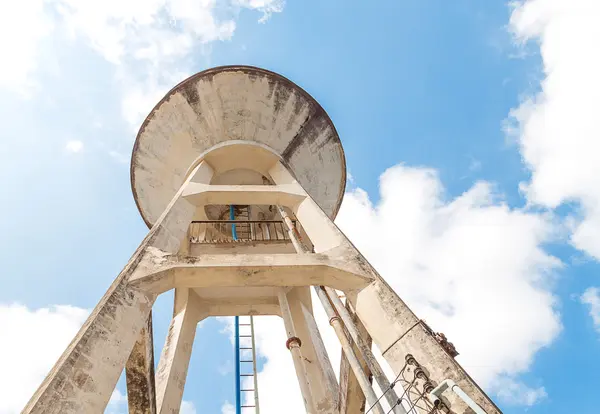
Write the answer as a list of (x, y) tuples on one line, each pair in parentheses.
[(591, 297), (267, 7), (516, 393), (22, 27), (187, 407), (558, 128), (152, 43), (74, 146), (32, 342), (472, 267), (227, 408)]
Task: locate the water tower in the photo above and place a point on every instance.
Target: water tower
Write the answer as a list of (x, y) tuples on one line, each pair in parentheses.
[(239, 173)]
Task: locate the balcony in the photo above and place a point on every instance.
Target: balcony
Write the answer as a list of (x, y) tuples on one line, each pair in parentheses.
[(253, 236)]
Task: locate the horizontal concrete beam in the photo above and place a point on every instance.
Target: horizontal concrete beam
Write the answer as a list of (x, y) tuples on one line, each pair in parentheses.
[(205, 194), (242, 306), (163, 272)]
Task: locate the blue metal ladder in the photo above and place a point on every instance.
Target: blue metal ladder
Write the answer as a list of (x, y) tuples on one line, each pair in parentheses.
[(245, 353), (246, 391)]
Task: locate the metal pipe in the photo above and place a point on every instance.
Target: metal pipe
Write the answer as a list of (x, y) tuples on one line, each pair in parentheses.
[(434, 395), (293, 344), (232, 217), (238, 385), (365, 351), (290, 229), (359, 373)]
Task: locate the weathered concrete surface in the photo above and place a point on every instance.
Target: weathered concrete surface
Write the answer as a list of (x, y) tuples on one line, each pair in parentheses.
[(242, 247), (175, 358), (391, 324), (352, 399), (321, 378), (85, 376), (236, 103), (293, 344), (397, 332), (164, 271), (274, 195), (139, 374)]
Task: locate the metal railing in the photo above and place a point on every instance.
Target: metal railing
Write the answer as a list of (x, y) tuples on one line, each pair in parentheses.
[(219, 231)]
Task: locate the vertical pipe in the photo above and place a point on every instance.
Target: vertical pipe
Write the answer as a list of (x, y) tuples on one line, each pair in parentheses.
[(293, 344), (290, 229), (360, 375), (238, 385), (232, 217), (365, 351)]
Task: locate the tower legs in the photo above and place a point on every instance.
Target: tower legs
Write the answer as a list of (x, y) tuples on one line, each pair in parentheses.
[(320, 374), (85, 376), (175, 358), (141, 392)]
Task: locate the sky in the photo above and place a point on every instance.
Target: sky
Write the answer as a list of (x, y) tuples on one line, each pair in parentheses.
[(472, 141)]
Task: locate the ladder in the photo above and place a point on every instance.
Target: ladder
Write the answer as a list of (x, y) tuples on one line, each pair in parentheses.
[(245, 346), (246, 373)]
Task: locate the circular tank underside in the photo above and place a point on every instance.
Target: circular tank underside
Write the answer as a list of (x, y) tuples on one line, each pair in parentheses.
[(236, 104)]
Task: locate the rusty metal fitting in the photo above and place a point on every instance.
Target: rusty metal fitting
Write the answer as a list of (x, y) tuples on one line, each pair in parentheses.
[(420, 374), (291, 341), (410, 360), (428, 387), (333, 319)]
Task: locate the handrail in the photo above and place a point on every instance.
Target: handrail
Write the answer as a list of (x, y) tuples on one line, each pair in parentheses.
[(220, 231), (239, 221)]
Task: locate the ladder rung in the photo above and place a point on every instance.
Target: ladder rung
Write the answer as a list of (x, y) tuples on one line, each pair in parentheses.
[(246, 360), (245, 336), (245, 348), (248, 406), (244, 324), (247, 390), (246, 375)]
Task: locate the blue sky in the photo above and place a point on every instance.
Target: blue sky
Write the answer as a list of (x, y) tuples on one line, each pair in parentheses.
[(481, 114)]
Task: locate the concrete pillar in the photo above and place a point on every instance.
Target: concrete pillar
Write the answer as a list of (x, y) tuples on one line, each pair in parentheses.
[(175, 358), (293, 344), (394, 328), (321, 377), (354, 362), (352, 399), (324, 386), (139, 374), (356, 331), (86, 374)]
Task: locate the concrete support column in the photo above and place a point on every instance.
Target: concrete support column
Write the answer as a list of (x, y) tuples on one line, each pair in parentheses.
[(352, 399), (365, 349), (324, 385), (293, 344), (321, 376), (141, 392), (395, 329), (397, 332), (84, 377), (175, 358), (353, 360)]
